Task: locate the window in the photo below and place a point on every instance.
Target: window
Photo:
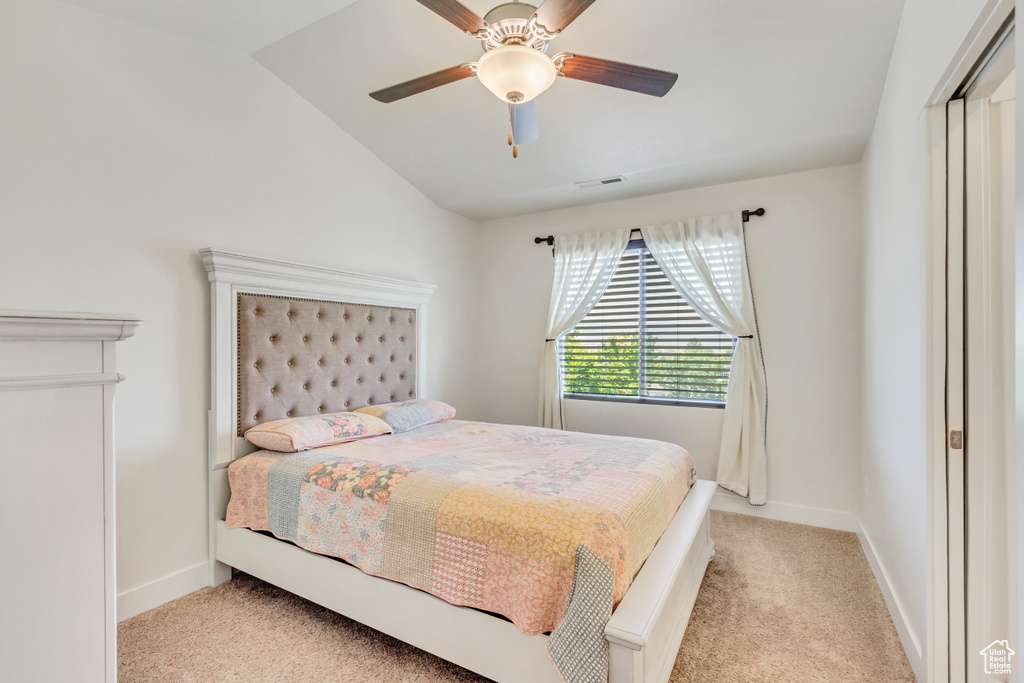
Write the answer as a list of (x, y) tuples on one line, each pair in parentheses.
[(643, 343)]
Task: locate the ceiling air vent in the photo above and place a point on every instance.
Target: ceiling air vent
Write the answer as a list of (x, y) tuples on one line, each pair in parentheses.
[(602, 181)]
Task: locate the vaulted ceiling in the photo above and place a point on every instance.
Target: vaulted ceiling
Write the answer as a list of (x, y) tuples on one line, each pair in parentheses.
[(245, 25), (764, 88)]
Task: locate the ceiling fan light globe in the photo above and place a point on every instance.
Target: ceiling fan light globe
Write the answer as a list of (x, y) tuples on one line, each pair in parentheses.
[(515, 73)]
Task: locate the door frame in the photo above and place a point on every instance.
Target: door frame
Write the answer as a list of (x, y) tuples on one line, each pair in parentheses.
[(971, 53)]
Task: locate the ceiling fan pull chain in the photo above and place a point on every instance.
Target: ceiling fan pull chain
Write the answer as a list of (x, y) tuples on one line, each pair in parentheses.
[(515, 151), (512, 120)]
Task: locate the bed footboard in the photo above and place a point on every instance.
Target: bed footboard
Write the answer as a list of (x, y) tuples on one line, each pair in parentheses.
[(647, 627)]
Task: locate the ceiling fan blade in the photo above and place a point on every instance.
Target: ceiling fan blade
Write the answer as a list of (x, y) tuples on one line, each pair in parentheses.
[(424, 83), (618, 75), (555, 15), (456, 13), (524, 122)]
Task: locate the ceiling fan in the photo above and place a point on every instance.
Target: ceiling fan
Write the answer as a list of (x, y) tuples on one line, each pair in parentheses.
[(515, 66)]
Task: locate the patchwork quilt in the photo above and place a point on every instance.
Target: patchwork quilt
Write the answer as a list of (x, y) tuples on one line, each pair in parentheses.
[(545, 527)]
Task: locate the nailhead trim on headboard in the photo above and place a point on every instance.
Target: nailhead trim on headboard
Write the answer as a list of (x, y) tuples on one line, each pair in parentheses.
[(301, 357)]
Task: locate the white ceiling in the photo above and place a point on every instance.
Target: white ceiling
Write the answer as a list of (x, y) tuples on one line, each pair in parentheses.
[(245, 25), (764, 88)]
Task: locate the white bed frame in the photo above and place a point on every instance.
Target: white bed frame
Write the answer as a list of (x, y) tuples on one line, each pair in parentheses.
[(645, 630)]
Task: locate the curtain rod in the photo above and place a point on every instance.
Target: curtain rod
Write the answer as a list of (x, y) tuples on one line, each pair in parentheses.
[(550, 239)]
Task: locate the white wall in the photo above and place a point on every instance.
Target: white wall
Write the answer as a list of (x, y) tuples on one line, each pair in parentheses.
[(123, 150), (893, 510), (806, 269)]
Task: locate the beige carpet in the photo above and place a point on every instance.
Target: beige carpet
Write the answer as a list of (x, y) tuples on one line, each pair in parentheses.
[(780, 602)]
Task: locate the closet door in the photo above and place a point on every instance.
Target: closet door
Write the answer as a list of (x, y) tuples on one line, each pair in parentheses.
[(988, 489)]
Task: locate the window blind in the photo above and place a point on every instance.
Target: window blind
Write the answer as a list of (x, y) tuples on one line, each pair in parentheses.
[(642, 341)]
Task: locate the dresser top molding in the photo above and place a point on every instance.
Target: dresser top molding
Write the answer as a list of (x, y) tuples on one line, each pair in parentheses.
[(15, 324)]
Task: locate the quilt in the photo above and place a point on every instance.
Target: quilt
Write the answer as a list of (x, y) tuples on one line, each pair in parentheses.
[(545, 527)]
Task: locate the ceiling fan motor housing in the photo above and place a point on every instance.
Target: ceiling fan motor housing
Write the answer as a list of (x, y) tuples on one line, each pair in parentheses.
[(513, 23), (510, 10)]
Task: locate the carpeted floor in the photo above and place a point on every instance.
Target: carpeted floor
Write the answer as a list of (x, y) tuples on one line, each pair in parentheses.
[(780, 602)]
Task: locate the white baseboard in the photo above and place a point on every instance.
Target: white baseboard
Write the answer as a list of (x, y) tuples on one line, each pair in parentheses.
[(911, 644), (155, 593), (785, 512)]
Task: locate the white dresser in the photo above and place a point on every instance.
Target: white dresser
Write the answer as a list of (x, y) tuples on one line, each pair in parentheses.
[(57, 589)]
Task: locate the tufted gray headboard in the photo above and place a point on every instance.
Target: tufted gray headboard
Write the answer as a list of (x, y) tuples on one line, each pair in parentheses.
[(304, 356), (376, 324)]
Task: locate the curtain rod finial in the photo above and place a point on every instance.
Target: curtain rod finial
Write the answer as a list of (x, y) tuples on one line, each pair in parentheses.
[(550, 239), (755, 212)]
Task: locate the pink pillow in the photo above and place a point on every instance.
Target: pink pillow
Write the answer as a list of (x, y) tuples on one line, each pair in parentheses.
[(303, 433)]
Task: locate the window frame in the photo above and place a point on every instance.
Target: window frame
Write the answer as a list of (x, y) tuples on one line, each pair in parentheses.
[(639, 399)]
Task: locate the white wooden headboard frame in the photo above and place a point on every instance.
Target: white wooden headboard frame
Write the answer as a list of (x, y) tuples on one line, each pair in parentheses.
[(232, 274)]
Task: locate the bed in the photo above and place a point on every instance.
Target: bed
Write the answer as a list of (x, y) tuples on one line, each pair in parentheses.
[(290, 340)]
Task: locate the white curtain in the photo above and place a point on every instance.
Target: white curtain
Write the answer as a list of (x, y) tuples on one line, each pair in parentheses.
[(584, 265), (705, 259)]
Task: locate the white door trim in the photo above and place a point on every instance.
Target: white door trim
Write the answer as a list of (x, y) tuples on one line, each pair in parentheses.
[(972, 50)]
